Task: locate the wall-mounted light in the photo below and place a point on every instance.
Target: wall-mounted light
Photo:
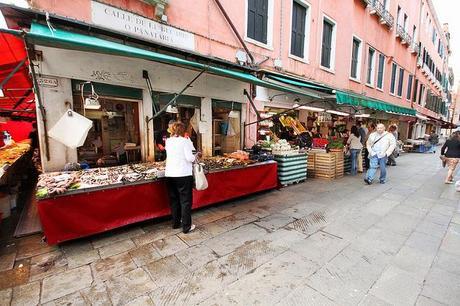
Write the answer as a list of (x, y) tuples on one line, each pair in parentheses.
[(309, 108)]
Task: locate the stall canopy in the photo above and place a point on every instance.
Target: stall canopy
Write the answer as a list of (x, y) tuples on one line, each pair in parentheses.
[(42, 35), (362, 101), (17, 99), (299, 83)]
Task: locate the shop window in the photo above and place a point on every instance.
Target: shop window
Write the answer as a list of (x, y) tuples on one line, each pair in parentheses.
[(400, 81), (257, 20), (298, 31), (328, 43), (381, 71), (370, 67), (226, 127), (355, 59), (394, 68), (114, 138)]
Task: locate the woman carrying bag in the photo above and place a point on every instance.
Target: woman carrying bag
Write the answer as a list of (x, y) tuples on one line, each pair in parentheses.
[(179, 176), (450, 153), (355, 146)]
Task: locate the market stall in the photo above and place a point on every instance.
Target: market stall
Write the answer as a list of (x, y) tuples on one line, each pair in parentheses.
[(82, 203)]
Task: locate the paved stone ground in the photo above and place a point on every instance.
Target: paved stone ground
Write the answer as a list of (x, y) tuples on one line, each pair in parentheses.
[(317, 243)]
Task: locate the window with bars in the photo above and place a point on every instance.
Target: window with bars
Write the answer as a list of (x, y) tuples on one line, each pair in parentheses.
[(257, 20), (380, 71), (409, 87), (299, 15), (355, 51), (327, 45), (370, 67), (400, 82), (394, 67)]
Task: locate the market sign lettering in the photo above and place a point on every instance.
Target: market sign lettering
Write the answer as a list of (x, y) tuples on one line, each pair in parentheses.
[(122, 21), (47, 82)]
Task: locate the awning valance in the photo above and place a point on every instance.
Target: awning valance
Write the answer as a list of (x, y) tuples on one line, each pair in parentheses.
[(299, 83), (42, 35), (358, 100)]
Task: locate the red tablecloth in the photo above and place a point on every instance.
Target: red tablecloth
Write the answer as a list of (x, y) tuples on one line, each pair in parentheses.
[(73, 216)]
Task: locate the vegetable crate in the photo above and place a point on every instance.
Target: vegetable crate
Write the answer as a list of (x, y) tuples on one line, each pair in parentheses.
[(339, 163), (292, 168), (322, 165)]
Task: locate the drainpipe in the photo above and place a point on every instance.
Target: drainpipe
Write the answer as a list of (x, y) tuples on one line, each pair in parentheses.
[(235, 31)]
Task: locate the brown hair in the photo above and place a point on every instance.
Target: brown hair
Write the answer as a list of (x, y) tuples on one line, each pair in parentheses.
[(178, 129), (392, 128)]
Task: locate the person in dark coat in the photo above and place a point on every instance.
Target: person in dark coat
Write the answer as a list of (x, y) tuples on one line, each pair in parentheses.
[(450, 151)]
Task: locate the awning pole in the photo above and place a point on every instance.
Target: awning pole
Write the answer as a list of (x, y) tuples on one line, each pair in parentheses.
[(40, 104), (252, 103), (11, 74), (176, 96)]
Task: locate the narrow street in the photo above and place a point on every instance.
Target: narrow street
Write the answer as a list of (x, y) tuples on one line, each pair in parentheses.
[(317, 243)]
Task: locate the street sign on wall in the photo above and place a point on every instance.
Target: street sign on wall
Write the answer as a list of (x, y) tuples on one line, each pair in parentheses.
[(134, 25)]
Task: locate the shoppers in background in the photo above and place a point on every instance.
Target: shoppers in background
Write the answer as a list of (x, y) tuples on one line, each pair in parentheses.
[(393, 129), (434, 140), (362, 132), (179, 175), (314, 133), (451, 151), (380, 145), (33, 136), (370, 130), (355, 146)]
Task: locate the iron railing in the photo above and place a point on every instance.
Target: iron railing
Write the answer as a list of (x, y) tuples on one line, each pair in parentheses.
[(377, 7)]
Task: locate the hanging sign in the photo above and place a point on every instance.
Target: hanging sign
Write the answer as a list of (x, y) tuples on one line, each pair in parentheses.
[(134, 25)]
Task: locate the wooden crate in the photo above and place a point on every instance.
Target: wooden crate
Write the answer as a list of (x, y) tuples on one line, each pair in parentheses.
[(322, 165)]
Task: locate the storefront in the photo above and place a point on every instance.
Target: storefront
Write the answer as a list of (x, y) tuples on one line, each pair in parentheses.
[(107, 86)]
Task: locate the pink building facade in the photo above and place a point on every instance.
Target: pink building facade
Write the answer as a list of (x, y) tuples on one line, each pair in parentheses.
[(387, 50)]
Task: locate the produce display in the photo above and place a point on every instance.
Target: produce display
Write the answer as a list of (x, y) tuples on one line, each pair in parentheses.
[(9, 154), (219, 162), (282, 146), (55, 183)]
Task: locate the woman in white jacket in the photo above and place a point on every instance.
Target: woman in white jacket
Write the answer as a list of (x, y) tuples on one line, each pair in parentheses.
[(178, 172), (355, 146)]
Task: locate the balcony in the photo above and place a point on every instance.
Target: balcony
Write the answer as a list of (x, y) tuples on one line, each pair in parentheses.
[(406, 39), (419, 61), (376, 7), (414, 48)]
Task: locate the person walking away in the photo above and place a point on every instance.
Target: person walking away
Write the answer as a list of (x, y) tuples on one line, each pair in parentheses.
[(355, 146), (380, 145), (393, 129), (179, 178), (451, 151), (371, 129), (433, 139)]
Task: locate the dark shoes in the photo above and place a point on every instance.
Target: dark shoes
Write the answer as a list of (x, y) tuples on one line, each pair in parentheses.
[(367, 181), (190, 230)]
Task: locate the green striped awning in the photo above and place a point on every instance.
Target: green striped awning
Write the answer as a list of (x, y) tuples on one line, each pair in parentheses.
[(346, 98)]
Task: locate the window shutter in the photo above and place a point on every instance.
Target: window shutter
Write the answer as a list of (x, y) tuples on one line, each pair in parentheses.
[(252, 19), (326, 45), (380, 72), (393, 79), (299, 13), (257, 20), (354, 59), (409, 87)]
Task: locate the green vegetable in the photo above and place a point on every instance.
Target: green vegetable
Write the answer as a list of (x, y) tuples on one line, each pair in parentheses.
[(74, 186), (42, 192)]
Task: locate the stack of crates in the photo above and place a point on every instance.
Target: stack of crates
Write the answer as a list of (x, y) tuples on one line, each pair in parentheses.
[(322, 165), (292, 168)]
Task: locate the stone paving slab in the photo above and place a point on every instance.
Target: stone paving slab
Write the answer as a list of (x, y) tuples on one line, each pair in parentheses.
[(318, 243)]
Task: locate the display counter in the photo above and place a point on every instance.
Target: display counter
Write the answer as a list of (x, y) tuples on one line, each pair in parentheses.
[(84, 212), (11, 158)]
